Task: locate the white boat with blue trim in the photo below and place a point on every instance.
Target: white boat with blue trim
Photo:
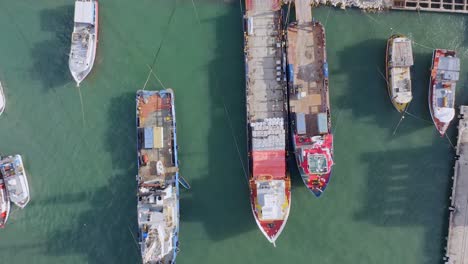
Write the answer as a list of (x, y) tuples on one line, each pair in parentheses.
[(158, 177)]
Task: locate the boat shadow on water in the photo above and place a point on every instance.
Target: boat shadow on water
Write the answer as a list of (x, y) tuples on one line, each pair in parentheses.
[(365, 91), (106, 232), (219, 197), (410, 188), (50, 57)]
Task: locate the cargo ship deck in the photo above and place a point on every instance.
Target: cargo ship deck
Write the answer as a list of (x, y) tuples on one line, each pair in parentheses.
[(266, 94), (306, 57)]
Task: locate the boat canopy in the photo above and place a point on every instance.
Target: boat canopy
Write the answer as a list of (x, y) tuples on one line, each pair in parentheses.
[(322, 123), (449, 64), (84, 12), (449, 67), (402, 53), (300, 124)]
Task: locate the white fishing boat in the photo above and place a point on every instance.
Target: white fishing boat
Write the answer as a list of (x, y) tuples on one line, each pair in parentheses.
[(2, 100), (14, 176), (84, 39), (445, 73)]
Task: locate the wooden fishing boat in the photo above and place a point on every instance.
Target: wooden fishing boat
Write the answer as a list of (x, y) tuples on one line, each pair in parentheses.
[(398, 62)]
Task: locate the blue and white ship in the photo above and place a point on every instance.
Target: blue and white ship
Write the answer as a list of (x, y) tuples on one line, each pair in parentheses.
[(158, 176)]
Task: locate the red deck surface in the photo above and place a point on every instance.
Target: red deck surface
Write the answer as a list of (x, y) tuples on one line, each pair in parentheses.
[(153, 103), (269, 163)]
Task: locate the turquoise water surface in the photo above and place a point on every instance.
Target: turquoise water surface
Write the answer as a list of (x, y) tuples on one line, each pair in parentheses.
[(386, 203)]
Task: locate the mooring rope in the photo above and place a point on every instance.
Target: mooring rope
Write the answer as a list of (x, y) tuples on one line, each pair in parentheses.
[(196, 12), (158, 49), (235, 141)]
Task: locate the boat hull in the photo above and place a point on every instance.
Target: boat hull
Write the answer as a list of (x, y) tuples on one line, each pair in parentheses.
[(271, 229), (160, 187), (316, 183), (15, 179), (269, 184), (444, 114), (4, 204), (400, 107), (80, 75), (2, 100), (309, 104)]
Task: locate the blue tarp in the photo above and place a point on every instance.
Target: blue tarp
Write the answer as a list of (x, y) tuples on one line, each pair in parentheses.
[(325, 70), (300, 123), (291, 73), (322, 123), (149, 138)]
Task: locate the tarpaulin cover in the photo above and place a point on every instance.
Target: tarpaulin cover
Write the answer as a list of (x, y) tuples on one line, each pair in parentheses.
[(84, 12), (269, 162)]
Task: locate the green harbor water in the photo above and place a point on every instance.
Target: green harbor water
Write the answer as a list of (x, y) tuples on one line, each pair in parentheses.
[(386, 202)]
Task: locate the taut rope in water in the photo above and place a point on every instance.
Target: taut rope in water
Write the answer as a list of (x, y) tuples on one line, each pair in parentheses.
[(393, 30), (399, 122), (450, 141), (134, 239), (155, 76), (82, 106), (235, 141), (196, 12), (156, 53), (417, 117)]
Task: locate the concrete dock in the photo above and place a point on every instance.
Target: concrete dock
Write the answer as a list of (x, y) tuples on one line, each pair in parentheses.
[(449, 6), (303, 10), (457, 242)]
